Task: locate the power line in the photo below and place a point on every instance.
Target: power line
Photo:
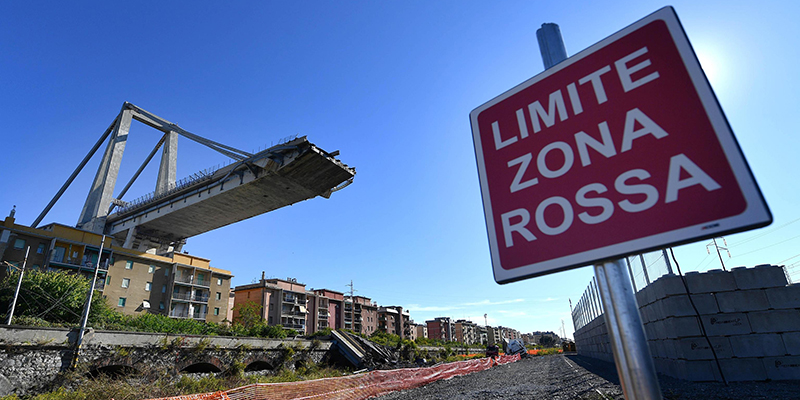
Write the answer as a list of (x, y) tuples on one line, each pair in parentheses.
[(766, 247), (757, 236)]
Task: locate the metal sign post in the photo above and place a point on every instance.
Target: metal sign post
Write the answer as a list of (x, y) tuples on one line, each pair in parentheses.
[(637, 373)]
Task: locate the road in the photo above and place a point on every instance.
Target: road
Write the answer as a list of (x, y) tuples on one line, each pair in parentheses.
[(550, 377)]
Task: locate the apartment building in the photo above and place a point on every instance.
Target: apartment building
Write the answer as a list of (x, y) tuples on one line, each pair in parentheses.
[(360, 315), (325, 310), (173, 284), (483, 336), (493, 335), (466, 332), (441, 328), (395, 320), (421, 331), (281, 301)]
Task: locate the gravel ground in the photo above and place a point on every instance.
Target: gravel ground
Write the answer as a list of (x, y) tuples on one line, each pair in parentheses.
[(562, 377)]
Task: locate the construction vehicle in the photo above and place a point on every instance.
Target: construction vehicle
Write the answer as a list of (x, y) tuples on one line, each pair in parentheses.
[(514, 346)]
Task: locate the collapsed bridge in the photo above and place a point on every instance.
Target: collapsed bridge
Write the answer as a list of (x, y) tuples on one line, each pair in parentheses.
[(253, 184)]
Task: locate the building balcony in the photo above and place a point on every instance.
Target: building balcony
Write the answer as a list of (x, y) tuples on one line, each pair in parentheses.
[(293, 314), (190, 297), (190, 280)]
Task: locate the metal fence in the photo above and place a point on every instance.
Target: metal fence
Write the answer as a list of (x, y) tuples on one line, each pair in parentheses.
[(643, 269)]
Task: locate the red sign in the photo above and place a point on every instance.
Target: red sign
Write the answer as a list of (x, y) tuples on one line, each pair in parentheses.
[(621, 148)]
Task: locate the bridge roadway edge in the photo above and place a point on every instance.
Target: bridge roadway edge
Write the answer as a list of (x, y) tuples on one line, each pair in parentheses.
[(33, 358)]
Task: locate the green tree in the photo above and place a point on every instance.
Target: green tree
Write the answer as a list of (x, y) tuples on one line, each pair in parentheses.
[(55, 297), (248, 315)]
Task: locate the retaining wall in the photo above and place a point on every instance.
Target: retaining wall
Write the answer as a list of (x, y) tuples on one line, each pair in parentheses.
[(32, 358), (750, 315)]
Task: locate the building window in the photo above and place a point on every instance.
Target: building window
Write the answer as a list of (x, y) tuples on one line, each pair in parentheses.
[(126, 282), (40, 249), (166, 271), (108, 279), (148, 286), (219, 295), (216, 310), (163, 288), (128, 264), (161, 305), (219, 281), (121, 302), (19, 244), (151, 269)]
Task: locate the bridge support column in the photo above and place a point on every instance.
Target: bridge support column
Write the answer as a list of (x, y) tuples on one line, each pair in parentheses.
[(169, 164), (129, 238), (102, 190)]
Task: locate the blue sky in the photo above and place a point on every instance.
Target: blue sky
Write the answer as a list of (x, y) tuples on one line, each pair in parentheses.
[(390, 84)]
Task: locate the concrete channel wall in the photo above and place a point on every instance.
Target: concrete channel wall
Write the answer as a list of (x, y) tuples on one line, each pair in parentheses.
[(750, 315)]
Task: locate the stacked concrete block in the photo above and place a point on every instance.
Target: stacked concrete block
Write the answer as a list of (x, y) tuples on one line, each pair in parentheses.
[(751, 319), (592, 340), (750, 316)]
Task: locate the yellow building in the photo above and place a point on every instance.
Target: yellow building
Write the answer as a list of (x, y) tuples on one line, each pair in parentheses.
[(175, 284)]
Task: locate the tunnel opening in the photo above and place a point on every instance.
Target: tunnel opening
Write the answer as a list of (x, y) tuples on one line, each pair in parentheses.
[(201, 368), (259, 366), (113, 371)]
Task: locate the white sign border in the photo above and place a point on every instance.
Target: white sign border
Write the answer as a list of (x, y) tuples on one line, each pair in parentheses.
[(756, 214)]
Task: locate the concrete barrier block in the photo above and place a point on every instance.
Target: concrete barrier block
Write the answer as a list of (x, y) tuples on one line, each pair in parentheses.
[(758, 345), (742, 301), (665, 329), (791, 340), (677, 306), (657, 310), (640, 300), (681, 327), (782, 368), (726, 324), (702, 371), (670, 349), (706, 303), (672, 285), (648, 294), (646, 314), (655, 348), (784, 297), (697, 348), (762, 276), (743, 369), (775, 321), (678, 369), (657, 288), (713, 281)]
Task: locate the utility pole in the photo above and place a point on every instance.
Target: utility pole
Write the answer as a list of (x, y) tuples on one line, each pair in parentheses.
[(714, 243), (19, 285), (85, 318)]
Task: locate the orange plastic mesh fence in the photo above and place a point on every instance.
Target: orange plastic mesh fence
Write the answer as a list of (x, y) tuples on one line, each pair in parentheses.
[(353, 387)]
